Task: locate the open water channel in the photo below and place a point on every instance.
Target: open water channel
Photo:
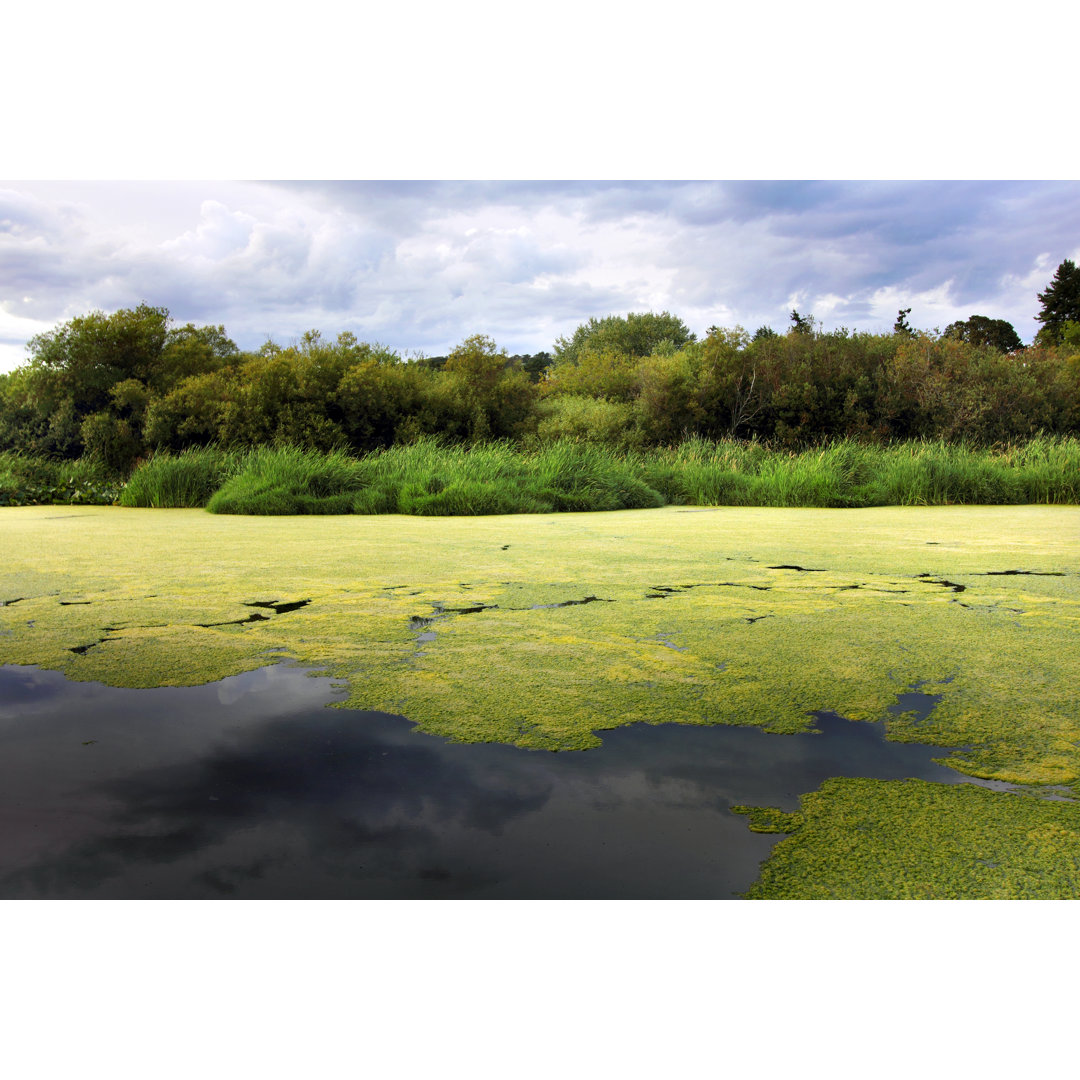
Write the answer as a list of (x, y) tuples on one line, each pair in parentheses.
[(252, 788)]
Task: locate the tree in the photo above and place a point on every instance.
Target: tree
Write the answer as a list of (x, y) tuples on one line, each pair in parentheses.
[(636, 334), (761, 333), (982, 330), (799, 325), (191, 350), (498, 397), (1060, 302), (902, 326), (534, 366), (85, 357)]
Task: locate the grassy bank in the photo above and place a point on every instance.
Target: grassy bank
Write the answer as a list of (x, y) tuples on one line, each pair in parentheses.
[(433, 478)]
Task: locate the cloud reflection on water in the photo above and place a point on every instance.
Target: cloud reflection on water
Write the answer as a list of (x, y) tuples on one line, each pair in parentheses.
[(251, 788)]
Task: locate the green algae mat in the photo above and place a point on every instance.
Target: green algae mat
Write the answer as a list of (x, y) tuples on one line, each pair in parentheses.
[(544, 631)]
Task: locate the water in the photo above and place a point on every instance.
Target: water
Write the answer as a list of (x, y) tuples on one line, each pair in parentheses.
[(252, 788)]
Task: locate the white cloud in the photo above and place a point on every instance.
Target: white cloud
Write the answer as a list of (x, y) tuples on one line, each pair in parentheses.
[(423, 265)]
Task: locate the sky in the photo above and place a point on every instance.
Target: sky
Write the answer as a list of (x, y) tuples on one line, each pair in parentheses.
[(420, 265)]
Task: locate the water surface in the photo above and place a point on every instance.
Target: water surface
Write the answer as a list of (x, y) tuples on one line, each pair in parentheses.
[(252, 788)]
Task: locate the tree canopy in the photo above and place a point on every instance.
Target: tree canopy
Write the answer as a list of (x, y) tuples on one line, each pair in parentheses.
[(118, 387), (636, 334), (1060, 302), (982, 330)]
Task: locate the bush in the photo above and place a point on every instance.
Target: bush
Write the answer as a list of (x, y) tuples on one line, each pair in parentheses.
[(35, 481)]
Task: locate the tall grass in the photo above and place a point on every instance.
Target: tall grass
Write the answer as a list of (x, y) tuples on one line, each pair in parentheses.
[(288, 480), (186, 479), (434, 477)]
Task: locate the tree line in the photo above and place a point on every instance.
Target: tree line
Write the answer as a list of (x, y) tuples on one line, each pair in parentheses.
[(116, 387)]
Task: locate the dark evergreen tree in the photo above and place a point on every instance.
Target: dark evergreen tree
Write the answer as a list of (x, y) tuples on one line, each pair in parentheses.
[(799, 325), (1060, 302), (901, 326)]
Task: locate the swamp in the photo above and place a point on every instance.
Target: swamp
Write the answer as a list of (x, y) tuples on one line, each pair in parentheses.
[(681, 701)]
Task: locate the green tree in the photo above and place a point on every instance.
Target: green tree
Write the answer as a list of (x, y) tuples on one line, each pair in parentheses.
[(191, 350), (191, 414), (801, 325), (534, 366), (497, 395), (902, 326), (596, 372), (1060, 302), (636, 334), (982, 330), (84, 358)]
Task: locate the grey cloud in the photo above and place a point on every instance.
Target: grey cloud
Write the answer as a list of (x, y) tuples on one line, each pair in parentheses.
[(366, 255)]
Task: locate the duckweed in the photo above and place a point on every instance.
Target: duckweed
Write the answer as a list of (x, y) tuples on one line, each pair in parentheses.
[(860, 839), (708, 617)]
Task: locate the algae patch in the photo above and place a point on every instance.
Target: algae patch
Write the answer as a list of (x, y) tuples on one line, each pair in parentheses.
[(547, 631), (865, 839)]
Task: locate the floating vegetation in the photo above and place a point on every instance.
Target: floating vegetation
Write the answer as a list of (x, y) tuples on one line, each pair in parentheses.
[(861, 839), (552, 643)]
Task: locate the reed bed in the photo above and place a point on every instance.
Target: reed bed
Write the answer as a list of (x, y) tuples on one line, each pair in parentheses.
[(433, 477)]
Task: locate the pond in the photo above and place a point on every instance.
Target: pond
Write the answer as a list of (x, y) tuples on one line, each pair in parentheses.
[(252, 788)]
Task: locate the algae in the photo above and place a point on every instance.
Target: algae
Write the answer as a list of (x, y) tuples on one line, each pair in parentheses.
[(911, 839), (741, 616)]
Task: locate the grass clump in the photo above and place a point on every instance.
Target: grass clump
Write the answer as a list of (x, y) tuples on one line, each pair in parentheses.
[(287, 480), (183, 480), (434, 477)]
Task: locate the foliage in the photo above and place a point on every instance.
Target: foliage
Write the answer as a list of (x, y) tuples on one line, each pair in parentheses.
[(981, 330), (187, 479), (583, 418), (597, 372), (117, 388), (91, 381), (289, 480), (534, 366), (1060, 302), (31, 481), (429, 477), (550, 474), (635, 334), (801, 325)]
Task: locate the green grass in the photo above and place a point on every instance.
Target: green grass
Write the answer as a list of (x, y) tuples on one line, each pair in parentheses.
[(288, 480), (847, 473), (182, 480), (433, 477)]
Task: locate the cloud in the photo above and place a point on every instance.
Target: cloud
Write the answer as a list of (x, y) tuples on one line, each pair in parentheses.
[(419, 265)]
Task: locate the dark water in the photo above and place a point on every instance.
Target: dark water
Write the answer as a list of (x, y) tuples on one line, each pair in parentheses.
[(251, 788)]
